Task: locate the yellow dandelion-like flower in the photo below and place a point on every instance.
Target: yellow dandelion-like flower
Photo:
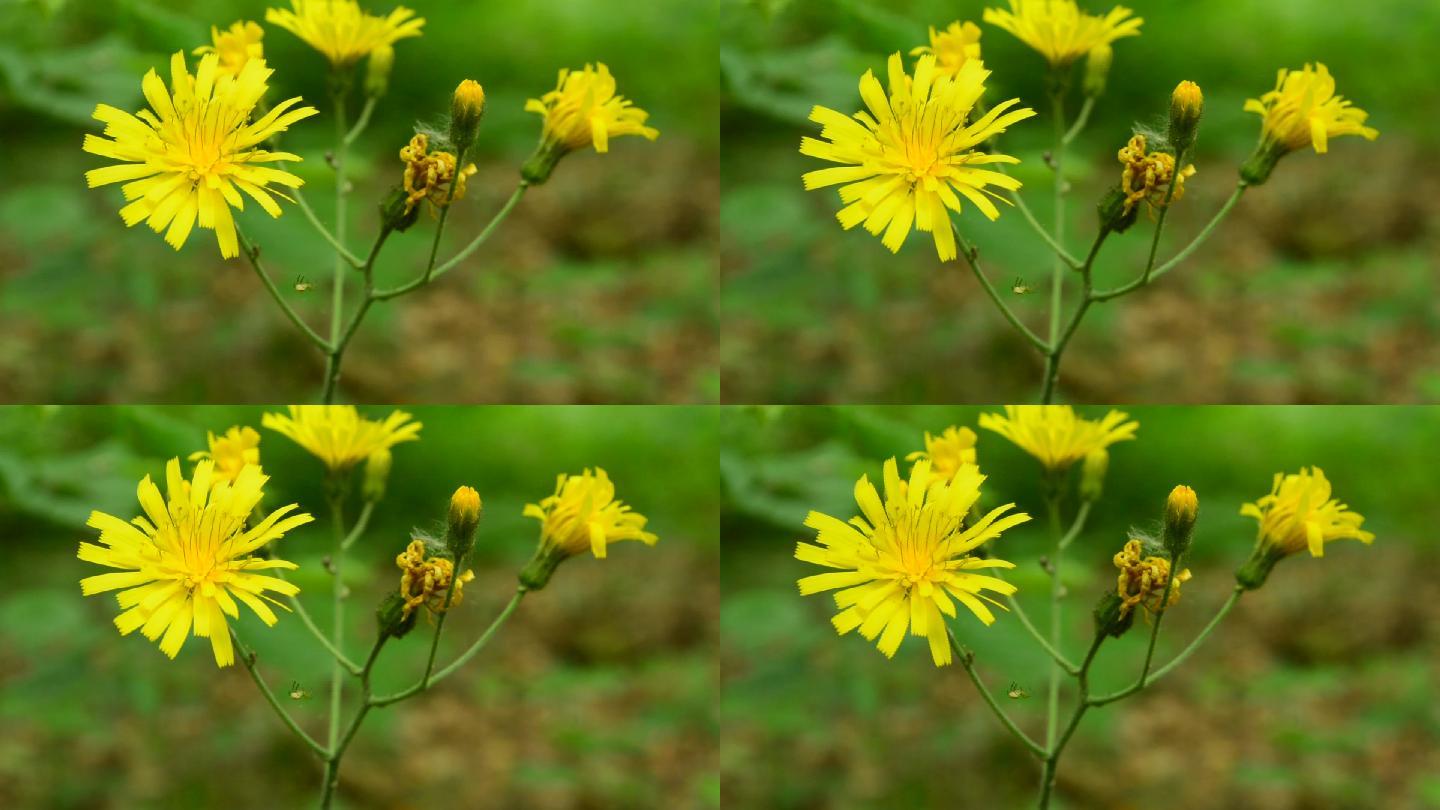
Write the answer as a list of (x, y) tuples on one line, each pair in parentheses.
[(583, 110), (186, 562), (428, 175), (1059, 30), (1142, 580), (1146, 176), (583, 515), (1303, 110), (1055, 434), (908, 156), (1299, 513), (952, 47), (948, 452), (341, 30), (232, 452), (338, 435), (188, 157), (425, 581), (903, 561), (235, 46)]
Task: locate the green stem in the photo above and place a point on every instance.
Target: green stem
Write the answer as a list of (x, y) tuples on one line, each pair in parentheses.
[(247, 657), (1081, 515), (1057, 276), (444, 214), (428, 276), (1029, 216), (967, 660), (252, 252), (332, 762), (309, 213), (337, 353), (1080, 121), (299, 608), (1057, 351), (337, 299), (361, 122), (337, 675), (1160, 220), (971, 258), (1184, 654), (1052, 756), (361, 523), (1106, 295), (1052, 704), (1025, 621), (464, 658)]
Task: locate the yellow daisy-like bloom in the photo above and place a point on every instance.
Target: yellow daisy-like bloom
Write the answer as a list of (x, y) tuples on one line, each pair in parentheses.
[(952, 47), (235, 45), (1299, 513), (341, 30), (232, 452), (948, 452), (1146, 176), (187, 560), (338, 435), (1059, 30), (1055, 434), (583, 515), (190, 158), (428, 175), (1142, 580), (1303, 110), (425, 581), (583, 110), (900, 564), (908, 156)]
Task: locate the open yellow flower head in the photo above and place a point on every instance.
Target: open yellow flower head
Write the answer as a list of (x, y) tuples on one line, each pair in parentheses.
[(1146, 175), (583, 110), (583, 515), (186, 562), (948, 452), (1141, 582), (235, 46), (426, 580), (1299, 514), (188, 158), (343, 31), (1055, 434), (952, 47), (338, 435), (232, 452), (905, 563), (1059, 30), (913, 155), (428, 175), (1303, 110)]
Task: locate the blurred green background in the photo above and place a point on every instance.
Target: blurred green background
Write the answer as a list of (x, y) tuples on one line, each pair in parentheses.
[(599, 692), (598, 289), (1318, 691), (1320, 287)]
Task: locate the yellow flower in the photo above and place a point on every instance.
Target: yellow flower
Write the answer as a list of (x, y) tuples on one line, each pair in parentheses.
[(952, 47), (186, 562), (237, 45), (1146, 177), (1142, 581), (583, 110), (191, 157), (426, 581), (428, 176), (237, 449), (1055, 435), (341, 30), (1059, 30), (583, 515), (948, 452), (1303, 110), (1299, 514), (909, 155), (902, 562), (338, 435)]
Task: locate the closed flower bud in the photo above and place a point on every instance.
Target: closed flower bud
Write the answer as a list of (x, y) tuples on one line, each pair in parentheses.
[(1181, 510), (467, 107), (1092, 474), (1186, 105), (377, 473), (1112, 616), (377, 71), (392, 617), (1115, 215), (1097, 69), (464, 517), (396, 212)]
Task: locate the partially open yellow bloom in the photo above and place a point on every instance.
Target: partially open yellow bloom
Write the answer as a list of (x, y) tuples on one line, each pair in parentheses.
[(1055, 434), (187, 561), (428, 175), (583, 110), (900, 565), (232, 452), (1146, 175), (1059, 30), (235, 46), (341, 30), (1141, 582), (425, 581), (1299, 514), (948, 452), (338, 435), (906, 159), (952, 47), (1303, 110), (187, 159), (584, 515)]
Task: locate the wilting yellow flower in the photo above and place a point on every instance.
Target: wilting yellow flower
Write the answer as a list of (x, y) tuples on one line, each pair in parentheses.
[(428, 176), (902, 562), (341, 30), (1059, 30), (190, 158), (948, 452), (1299, 514), (1142, 581), (583, 110), (1303, 110), (909, 155), (952, 47), (186, 562), (232, 452), (1055, 435), (583, 515), (235, 46), (338, 435), (1147, 176), (425, 581)]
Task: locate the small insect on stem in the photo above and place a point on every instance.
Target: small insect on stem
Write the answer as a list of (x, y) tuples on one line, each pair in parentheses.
[(297, 692), (1016, 692), (303, 285), (1020, 287)]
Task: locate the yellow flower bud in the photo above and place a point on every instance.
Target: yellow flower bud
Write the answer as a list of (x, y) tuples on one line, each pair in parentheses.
[(377, 71), (1092, 474), (377, 473), (1181, 510), (464, 517), (1186, 105), (1097, 68), (466, 109)]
